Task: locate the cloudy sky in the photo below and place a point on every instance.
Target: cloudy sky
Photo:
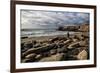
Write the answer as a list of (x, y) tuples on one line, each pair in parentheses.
[(51, 19)]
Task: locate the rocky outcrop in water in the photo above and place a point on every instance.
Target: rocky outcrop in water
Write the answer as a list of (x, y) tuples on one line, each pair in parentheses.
[(83, 28)]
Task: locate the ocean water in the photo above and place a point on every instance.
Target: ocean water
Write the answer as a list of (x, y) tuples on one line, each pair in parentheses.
[(41, 32)]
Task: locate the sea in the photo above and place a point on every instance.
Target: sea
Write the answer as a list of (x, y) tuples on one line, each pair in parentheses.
[(41, 32)]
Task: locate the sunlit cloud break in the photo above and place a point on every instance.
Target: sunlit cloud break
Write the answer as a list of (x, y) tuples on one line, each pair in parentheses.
[(51, 19)]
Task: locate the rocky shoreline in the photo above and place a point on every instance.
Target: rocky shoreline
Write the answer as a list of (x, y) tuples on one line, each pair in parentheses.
[(56, 48)]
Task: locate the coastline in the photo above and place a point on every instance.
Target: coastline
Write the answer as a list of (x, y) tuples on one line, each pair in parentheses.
[(65, 47)]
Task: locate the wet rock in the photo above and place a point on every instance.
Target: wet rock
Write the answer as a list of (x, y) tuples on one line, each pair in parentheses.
[(73, 45), (61, 41), (82, 55), (39, 56), (37, 45), (67, 41), (30, 56), (55, 39)]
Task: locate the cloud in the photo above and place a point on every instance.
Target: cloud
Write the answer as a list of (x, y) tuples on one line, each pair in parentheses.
[(51, 19)]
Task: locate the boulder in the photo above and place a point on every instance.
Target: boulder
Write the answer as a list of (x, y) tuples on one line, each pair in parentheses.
[(83, 55)]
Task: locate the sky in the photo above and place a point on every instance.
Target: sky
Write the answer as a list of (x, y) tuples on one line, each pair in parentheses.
[(32, 19)]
